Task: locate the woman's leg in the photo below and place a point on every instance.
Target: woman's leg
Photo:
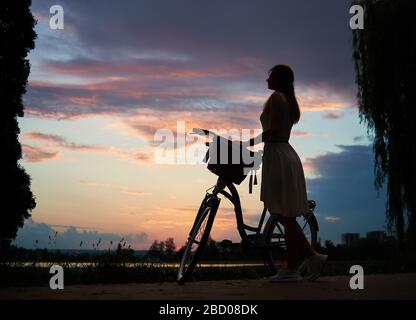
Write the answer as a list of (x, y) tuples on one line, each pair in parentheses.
[(291, 238), (304, 245), (296, 242), (291, 242)]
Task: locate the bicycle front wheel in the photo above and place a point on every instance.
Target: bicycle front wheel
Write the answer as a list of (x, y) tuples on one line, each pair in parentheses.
[(198, 238)]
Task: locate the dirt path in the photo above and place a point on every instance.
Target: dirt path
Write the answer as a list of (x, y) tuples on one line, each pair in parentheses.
[(392, 286)]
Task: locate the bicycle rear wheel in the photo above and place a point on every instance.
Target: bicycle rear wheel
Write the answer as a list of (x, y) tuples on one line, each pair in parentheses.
[(198, 238), (274, 235)]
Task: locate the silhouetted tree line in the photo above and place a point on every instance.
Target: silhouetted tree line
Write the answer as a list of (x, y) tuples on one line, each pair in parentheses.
[(118, 255), (361, 249), (17, 38), (162, 250), (385, 64)]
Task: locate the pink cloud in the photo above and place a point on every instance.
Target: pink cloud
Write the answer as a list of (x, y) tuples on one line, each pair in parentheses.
[(136, 193), (45, 137), (296, 133), (53, 142), (129, 68), (37, 154), (317, 103)]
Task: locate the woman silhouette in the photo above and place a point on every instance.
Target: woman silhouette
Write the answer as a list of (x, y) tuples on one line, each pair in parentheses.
[(283, 188)]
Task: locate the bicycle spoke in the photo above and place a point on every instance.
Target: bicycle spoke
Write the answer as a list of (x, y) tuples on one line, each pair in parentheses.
[(202, 228)]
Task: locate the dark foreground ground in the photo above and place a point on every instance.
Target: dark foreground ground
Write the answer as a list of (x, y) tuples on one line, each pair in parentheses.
[(384, 286)]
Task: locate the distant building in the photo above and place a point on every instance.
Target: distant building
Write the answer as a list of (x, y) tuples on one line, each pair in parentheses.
[(349, 238), (376, 235)]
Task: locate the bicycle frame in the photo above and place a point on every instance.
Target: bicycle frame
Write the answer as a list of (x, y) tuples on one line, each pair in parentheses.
[(234, 198)]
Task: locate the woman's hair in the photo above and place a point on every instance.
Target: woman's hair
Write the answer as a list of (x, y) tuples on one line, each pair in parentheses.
[(284, 78)]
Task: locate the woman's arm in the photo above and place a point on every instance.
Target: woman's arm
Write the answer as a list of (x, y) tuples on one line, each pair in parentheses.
[(276, 103)]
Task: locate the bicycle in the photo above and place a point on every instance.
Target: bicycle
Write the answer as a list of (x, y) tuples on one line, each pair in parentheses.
[(266, 239)]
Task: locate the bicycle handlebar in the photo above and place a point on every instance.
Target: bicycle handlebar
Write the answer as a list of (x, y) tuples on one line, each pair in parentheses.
[(202, 132), (205, 132)]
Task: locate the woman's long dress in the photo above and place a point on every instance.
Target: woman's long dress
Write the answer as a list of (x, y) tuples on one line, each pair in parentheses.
[(283, 187)]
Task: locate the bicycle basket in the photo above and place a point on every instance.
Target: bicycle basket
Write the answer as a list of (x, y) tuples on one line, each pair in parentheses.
[(225, 158)]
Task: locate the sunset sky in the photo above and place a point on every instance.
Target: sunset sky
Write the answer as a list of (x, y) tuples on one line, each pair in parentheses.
[(120, 70)]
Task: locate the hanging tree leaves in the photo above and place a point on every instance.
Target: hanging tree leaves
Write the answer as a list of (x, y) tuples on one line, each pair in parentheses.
[(385, 65)]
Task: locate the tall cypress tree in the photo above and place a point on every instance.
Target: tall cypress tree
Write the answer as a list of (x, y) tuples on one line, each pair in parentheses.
[(17, 38)]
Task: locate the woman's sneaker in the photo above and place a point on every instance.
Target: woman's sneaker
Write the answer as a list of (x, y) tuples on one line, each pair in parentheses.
[(286, 275), (314, 265), (303, 266)]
